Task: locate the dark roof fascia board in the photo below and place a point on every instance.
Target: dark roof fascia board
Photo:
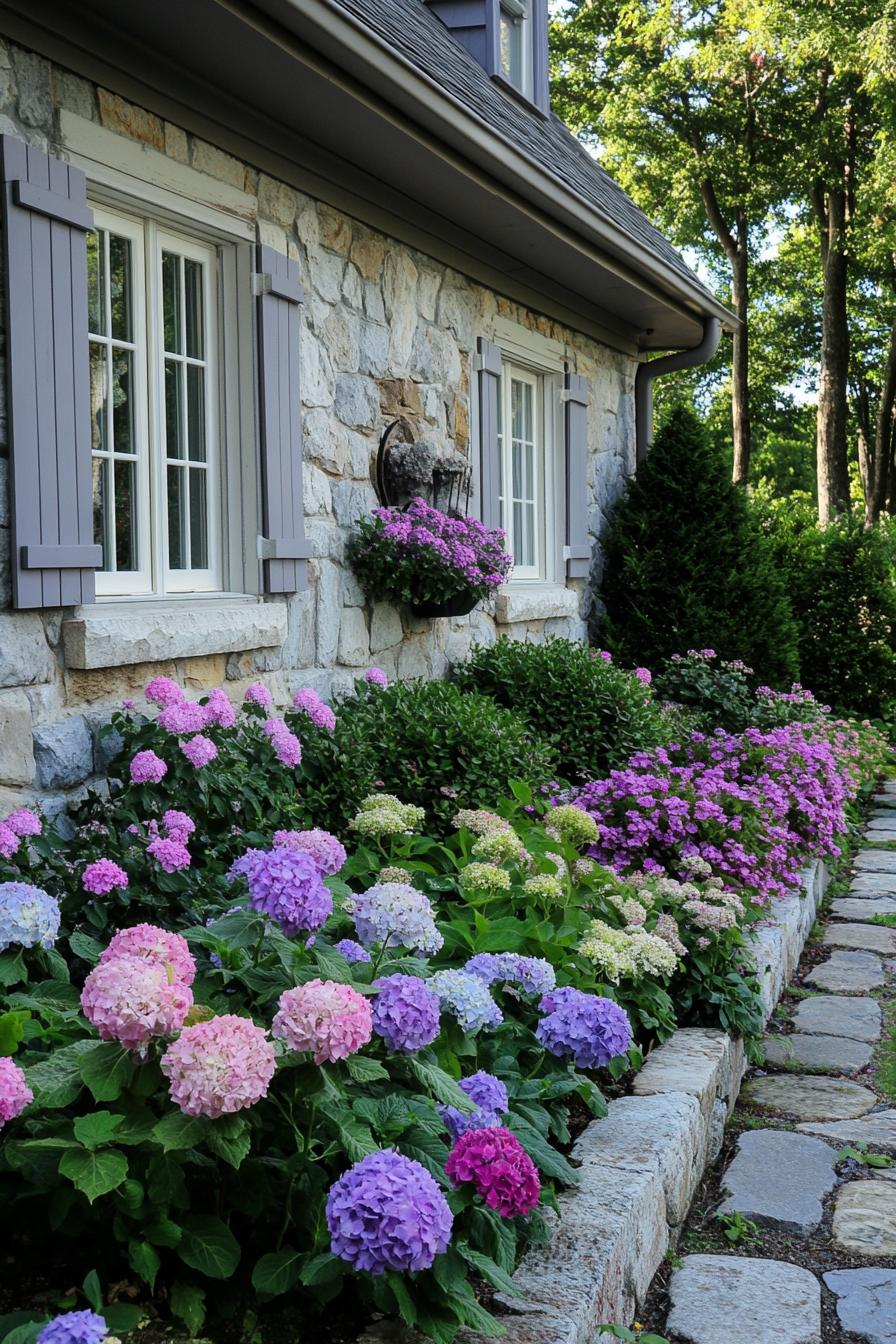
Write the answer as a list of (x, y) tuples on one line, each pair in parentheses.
[(432, 106)]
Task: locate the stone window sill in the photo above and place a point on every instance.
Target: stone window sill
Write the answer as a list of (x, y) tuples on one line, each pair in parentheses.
[(517, 602), (123, 634)]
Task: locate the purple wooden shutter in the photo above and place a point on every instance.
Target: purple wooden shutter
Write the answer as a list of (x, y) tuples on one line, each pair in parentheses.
[(282, 545), (45, 218), (488, 371), (577, 551)]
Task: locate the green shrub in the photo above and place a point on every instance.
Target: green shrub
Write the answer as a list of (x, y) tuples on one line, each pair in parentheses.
[(714, 693), (594, 714), (427, 742), (842, 585), (687, 567)]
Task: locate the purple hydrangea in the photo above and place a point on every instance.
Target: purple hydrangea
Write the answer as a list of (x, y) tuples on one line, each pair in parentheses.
[(286, 886), (75, 1327), (533, 975), (387, 1213), (490, 1097), (352, 951), (467, 998), (405, 1013), (326, 851), (585, 1027)]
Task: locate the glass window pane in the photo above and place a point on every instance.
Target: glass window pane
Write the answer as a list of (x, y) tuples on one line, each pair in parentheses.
[(194, 314), (96, 284), (125, 517), (101, 518), (171, 302), (174, 409), (199, 518), (512, 48), (177, 518), (122, 402), (196, 412), (120, 286), (99, 388)]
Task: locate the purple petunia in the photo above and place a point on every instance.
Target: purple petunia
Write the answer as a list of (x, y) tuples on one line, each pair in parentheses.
[(584, 1027), (405, 1013), (388, 1213)]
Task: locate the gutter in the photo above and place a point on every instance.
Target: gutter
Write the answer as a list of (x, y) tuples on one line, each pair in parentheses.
[(652, 369)]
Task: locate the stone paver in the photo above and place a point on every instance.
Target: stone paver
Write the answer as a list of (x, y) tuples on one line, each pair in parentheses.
[(866, 1302), (873, 884), (729, 1299), (848, 971), (810, 1098), (877, 1130), (881, 829), (779, 1179), (863, 907), (863, 937), (836, 1015), (865, 1218), (876, 861), (834, 1054)]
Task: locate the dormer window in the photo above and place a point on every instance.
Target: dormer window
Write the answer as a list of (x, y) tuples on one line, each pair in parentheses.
[(516, 44)]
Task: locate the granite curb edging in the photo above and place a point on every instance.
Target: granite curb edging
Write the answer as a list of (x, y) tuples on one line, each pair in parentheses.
[(640, 1167)]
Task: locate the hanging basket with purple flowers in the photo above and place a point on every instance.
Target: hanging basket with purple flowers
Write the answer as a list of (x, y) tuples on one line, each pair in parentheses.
[(440, 564)]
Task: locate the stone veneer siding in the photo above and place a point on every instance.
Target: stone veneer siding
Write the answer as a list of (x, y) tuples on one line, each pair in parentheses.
[(387, 330)]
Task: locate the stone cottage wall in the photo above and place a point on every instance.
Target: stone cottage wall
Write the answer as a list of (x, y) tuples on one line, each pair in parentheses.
[(388, 331)]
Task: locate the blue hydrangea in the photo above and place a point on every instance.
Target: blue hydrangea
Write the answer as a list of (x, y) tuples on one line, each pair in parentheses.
[(467, 998), (75, 1327), (533, 975), (584, 1027), (28, 916), (397, 915), (352, 951), (490, 1096)]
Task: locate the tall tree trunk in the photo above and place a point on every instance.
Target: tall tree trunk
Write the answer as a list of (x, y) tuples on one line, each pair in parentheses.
[(833, 471), (740, 383), (885, 436), (864, 447)]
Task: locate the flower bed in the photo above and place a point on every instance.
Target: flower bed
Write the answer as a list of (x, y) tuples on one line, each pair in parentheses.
[(251, 1060)]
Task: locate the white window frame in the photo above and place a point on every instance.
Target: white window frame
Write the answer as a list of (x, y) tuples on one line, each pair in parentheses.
[(518, 12)]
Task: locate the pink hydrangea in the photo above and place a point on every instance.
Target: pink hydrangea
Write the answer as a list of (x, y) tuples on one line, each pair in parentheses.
[(9, 841), (199, 750), (310, 703), (375, 676), (148, 768), (258, 694), (218, 1067), (132, 999), (163, 691), (183, 717), (498, 1167), (644, 676), (178, 826), (219, 710), (171, 855), (15, 1094), (103, 876), (23, 822), (332, 1021), (159, 946), (287, 746), (326, 851)]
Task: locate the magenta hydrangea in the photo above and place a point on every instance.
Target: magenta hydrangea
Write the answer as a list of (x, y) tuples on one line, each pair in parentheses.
[(159, 946), (286, 886), (586, 1028), (170, 855), (258, 694), (387, 1213), (287, 747), (23, 822), (131, 1000), (199, 750), (307, 701), (147, 768), (178, 826), (74, 1327), (15, 1094), (326, 851), (644, 676), (498, 1167), (163, 691), (9, 841), (219, 1067), (405, 1013), (103, 876), (330, 1020), (375, 676), (183, 716), (219, 710)]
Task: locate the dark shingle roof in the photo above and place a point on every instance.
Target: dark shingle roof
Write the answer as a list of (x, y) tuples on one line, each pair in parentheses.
[(411, 28)]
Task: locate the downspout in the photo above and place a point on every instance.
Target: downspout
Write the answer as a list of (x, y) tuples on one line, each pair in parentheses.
[(652, 369)]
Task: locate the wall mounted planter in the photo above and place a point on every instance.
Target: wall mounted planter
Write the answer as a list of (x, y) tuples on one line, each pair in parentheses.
[(459, 605)]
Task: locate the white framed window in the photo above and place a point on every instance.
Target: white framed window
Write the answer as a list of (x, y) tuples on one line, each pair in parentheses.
[(530, 466), (516, 48), (155, 390)]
